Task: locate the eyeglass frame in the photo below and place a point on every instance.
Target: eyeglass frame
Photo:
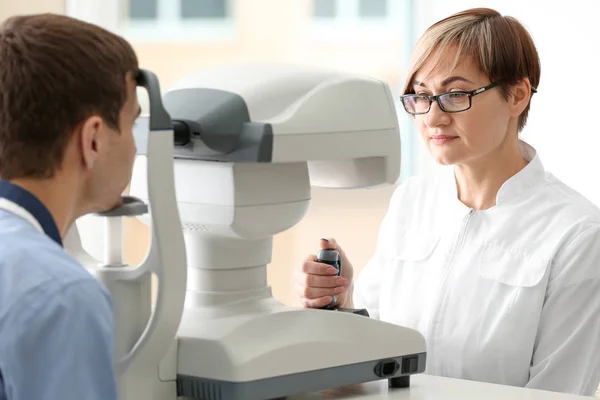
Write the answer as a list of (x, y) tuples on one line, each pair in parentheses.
[(436, 98)]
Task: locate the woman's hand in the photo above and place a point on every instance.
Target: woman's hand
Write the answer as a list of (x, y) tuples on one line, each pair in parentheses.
[(316, 283)]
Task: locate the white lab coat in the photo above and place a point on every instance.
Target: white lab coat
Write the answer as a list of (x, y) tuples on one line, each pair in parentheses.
[(508, 295)]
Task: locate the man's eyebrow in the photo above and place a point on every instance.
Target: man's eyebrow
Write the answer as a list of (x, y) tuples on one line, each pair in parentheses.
[(445, 82)]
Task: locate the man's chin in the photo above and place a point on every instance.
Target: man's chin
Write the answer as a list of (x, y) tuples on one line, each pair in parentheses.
[(117, 203), (102, 208)]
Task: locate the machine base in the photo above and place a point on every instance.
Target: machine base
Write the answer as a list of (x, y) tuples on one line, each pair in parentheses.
[(357, 311), (397, 370)]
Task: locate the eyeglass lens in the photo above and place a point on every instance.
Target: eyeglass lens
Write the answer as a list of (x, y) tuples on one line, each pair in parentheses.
[(451, 102)]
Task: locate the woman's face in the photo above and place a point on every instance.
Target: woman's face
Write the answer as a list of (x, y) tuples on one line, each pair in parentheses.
[(464, 137)]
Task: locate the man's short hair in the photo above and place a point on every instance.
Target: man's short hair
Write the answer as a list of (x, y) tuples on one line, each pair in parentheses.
[(55, 72)]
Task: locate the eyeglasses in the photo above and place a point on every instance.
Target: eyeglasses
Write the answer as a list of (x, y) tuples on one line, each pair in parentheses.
[(450, 102)]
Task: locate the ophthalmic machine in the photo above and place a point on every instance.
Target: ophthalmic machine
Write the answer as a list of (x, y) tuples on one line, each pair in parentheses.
[(226, 160)]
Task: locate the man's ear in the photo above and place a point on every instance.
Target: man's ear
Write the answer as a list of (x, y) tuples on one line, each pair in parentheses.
[(521, 95), (91, 141)]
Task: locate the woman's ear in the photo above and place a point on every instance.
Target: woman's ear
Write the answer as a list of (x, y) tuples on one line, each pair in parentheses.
[(90, 141), (520, 97)]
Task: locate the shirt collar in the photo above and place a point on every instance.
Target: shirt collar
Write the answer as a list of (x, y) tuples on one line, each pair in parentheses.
[(26, 203), (528, 177), (531, 175)]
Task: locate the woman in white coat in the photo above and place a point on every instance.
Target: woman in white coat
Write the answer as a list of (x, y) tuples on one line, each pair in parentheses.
[(494, 260)]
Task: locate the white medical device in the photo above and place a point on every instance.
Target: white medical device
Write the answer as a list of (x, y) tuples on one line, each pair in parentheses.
[(247, 144)]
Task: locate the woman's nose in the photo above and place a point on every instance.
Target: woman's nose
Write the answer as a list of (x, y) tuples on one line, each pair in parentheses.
[(436, 116)]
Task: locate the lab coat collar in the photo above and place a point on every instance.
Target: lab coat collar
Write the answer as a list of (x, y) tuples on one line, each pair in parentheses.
[(24, 204), (524, 180), (530, 176)]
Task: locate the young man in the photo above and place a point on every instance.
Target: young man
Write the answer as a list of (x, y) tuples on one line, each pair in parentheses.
[(67, 108)]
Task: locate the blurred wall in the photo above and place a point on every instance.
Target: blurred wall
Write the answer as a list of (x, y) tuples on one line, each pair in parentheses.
[(12, 7), (566, 137), (286, 33)]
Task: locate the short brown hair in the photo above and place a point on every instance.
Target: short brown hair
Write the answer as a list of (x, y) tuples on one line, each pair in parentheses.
[(500, 45), (55, 72)]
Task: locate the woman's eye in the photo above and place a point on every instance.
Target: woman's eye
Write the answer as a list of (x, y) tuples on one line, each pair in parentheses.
[(457, 95)]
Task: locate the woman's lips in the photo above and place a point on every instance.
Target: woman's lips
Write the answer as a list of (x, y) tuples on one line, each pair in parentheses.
[(442, 139)]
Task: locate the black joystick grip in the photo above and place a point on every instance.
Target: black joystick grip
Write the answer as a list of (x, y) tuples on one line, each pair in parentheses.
[(331, 257)]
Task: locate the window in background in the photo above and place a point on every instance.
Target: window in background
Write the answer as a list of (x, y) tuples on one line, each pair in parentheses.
[(192, 9), (143, 10), (325, 8), (353, 10), (372, 8), (181, 20), (157, 10)]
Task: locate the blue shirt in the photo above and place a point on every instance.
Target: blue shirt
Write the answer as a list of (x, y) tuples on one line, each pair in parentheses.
[(56, 320)]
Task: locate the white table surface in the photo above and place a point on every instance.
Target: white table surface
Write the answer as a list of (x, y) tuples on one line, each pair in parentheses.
[(425, 387)]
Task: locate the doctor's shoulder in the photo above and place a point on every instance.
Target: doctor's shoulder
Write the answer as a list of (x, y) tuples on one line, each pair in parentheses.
[(577, 220), (569, 192), (568, 205)]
